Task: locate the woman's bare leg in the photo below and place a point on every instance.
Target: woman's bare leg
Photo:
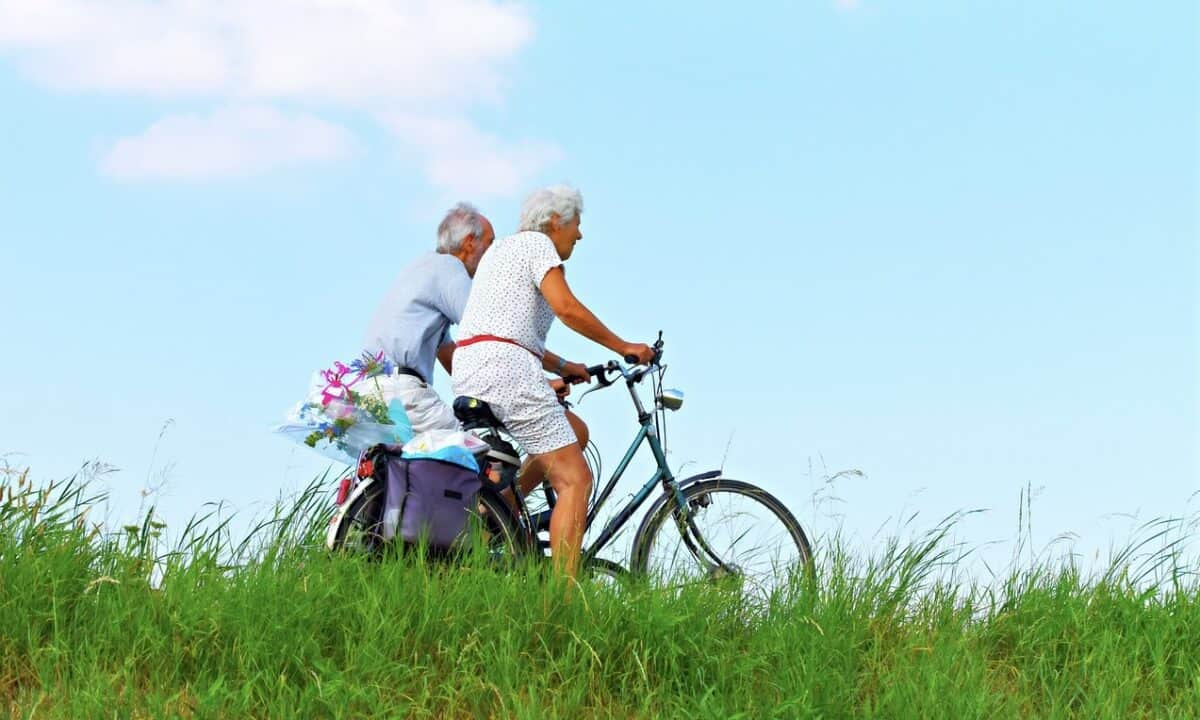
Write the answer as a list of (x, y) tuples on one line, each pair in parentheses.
[(572, 482), (527, 480)]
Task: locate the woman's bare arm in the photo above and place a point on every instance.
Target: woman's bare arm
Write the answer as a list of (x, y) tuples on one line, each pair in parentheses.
[(575, 315)]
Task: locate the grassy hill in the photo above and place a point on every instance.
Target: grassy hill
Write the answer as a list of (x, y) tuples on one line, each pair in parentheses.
[(95, 626)]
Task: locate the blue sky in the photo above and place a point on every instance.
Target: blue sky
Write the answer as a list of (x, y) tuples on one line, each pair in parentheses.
[(952, 245)]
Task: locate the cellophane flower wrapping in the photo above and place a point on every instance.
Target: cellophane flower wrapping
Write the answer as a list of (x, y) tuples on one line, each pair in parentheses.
[(344, 412)]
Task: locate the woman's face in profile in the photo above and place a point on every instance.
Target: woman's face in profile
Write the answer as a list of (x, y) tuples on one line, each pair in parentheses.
[(564, 235)]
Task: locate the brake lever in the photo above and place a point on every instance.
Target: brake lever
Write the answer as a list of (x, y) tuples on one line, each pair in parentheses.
[(600, 374), (589, 391)]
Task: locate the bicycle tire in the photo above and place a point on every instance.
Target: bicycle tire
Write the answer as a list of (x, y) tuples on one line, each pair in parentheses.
[(505, 541), (766, 569), (360, 528), (602, 567)]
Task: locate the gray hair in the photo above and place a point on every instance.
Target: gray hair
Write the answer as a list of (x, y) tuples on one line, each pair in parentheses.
[(561, 200), (462, 220)]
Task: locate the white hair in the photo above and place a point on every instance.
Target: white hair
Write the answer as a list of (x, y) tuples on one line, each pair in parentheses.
[(561, 200), (462, 220)]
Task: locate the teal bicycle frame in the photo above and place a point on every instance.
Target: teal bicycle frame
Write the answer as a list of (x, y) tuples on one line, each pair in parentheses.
[(647, 433)]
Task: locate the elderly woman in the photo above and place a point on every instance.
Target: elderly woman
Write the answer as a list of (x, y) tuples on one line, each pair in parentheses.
[(519, 288)]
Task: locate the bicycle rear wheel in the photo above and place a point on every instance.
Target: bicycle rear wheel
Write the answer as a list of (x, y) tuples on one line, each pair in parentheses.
[(736, 530), (493, 529), (359, 531), (490, 526)]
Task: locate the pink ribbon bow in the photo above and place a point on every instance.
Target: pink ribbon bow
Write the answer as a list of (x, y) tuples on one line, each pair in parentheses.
[(338, 389)]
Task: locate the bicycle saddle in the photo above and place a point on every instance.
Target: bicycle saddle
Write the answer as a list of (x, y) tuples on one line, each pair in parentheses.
[(474, 413)]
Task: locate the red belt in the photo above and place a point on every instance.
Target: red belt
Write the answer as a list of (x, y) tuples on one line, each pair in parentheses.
[(494, 338)]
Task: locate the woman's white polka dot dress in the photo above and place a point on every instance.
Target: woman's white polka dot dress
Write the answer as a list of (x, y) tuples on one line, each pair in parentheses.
[(506, 301)]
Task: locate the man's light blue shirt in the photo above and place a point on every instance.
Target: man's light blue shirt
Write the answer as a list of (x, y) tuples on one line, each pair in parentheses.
[(414, 319)]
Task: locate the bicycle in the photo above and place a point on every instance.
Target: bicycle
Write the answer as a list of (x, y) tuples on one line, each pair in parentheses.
[(765, 548)]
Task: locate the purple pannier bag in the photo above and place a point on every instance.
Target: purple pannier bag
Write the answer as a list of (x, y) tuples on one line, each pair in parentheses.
[(426, 499)]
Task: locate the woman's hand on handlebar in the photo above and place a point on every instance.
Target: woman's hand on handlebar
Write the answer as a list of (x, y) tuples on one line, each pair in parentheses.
[(637, 353)]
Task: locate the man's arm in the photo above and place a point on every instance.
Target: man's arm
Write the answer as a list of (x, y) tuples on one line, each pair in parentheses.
[(452, 296), (453, 290), (444, 354)]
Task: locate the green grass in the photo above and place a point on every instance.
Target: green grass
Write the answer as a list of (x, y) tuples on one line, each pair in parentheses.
[(95, 625)]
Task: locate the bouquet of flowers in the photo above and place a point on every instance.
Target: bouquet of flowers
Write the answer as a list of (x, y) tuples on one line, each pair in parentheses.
[(344, 412)]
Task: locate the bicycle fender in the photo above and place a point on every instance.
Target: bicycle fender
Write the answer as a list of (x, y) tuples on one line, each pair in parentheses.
[(666, 497), (693, 479), (340, 513)]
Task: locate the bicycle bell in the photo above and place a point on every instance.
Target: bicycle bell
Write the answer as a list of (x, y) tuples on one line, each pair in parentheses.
[(670, 398)]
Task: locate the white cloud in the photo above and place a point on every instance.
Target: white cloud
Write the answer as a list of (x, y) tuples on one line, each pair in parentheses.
[(134, 47), (464, 160), (443, 57), (229, 142), (345, 52), (372, 51)]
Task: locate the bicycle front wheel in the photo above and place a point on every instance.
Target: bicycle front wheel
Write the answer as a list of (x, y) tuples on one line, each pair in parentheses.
[(734, 530)]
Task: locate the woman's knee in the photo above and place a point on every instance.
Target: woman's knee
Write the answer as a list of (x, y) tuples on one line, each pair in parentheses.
[(568, 471), (573, 479)]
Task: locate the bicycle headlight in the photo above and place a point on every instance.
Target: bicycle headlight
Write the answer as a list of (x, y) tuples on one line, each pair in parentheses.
[(670, 398)]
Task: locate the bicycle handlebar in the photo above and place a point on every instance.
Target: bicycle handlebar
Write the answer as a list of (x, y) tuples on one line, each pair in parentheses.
[(657, 346), (600, 372), (632, 375)]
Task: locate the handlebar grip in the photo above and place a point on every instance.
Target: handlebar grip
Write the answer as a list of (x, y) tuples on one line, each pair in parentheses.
[(631, 359), (595, 370)]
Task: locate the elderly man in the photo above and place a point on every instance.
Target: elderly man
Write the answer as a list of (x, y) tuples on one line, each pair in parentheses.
[(519, 290), (412, 324)]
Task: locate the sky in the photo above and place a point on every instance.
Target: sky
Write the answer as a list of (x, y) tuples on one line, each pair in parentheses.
[(951, 246)]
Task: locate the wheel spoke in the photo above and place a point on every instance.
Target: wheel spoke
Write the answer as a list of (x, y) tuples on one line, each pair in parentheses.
[(754, 538)]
